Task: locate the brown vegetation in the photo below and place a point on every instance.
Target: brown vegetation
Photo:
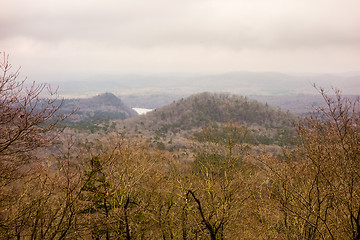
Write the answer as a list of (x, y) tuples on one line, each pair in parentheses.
[(121, 186)]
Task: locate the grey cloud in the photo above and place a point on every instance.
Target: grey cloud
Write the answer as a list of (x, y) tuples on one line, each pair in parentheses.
[(177, 35), (159, 23)]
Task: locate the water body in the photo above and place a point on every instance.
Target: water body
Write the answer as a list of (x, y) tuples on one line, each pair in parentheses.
[(142, 110)]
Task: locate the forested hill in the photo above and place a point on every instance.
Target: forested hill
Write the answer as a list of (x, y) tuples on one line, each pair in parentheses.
[(210, 108), (100, 107), (186, 117)]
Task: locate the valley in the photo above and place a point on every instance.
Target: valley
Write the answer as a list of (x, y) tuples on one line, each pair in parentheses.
[(179, 120), (208, 165)]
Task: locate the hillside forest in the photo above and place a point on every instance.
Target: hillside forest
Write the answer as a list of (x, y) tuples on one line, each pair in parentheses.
[(210, 166)]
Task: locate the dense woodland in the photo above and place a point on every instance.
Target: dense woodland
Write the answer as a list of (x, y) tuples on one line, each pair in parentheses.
[(211, 166)]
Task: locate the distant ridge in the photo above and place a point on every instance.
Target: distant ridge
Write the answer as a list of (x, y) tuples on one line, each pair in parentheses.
[(240, 82), (100, 107)]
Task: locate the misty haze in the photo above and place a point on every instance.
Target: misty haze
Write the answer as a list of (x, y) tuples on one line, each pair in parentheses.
[(193, 119)]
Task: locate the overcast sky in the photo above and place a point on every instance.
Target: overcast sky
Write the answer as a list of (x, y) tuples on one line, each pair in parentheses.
[(63, 37)]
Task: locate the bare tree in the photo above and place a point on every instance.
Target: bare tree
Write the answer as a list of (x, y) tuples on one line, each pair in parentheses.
[(26, 115), (220, 168), (318, 186)]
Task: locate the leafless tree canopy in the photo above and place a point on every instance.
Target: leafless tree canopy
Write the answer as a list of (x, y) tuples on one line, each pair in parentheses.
[(120, 186), (27, 114)]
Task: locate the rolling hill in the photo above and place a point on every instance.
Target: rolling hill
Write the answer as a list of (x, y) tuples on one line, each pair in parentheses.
[(104, 106), (175, 124)]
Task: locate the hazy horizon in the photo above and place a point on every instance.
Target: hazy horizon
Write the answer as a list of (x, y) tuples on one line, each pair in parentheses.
[(55, 39)]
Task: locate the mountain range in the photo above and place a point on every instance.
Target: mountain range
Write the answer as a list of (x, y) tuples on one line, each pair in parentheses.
[(241, 83)]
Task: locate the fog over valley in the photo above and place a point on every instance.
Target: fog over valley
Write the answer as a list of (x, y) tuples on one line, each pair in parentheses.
[(181, 48), (168, 119), (156, 90)]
